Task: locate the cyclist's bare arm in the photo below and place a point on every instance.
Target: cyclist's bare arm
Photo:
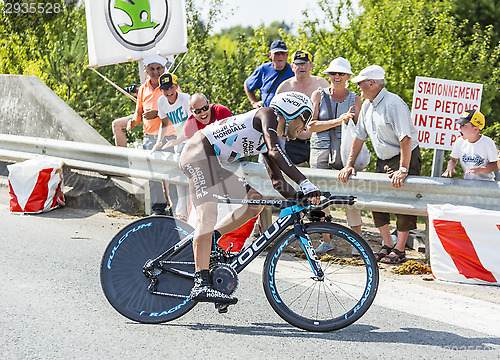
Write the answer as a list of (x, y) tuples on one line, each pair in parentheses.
[(277, 179), (277, 161)]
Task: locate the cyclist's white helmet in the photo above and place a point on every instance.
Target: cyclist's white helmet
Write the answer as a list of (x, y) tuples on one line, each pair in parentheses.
[(292, 104)]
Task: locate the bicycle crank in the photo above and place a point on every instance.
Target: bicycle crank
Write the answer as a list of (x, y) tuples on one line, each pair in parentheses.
[(224, 279)]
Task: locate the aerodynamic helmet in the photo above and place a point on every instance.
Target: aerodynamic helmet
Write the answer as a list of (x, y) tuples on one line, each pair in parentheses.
[(292, 104)]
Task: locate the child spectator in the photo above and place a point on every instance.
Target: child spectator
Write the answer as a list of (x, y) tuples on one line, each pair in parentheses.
[(477, 152)]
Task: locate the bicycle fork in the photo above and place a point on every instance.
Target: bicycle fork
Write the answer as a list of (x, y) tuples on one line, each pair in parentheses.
[(308, 248)]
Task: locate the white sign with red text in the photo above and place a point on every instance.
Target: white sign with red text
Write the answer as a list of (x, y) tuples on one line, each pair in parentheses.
[(437, 103)]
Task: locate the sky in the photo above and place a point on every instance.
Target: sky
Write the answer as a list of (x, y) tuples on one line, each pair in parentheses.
[(255, 12)]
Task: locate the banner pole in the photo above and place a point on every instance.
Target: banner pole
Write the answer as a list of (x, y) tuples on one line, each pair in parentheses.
[(180, 62), (116, 86), (142, 71)]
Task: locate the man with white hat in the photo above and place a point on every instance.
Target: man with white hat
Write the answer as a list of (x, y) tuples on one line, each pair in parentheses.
[(385, 119)]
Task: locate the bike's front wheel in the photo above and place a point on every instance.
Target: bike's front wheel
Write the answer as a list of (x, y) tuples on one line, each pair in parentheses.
[(320, 303), (126, 286)]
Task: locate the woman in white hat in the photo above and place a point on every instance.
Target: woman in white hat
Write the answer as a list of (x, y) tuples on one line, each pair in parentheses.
[(332, 106)]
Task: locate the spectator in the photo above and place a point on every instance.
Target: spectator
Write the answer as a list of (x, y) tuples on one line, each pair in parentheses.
[(477, 152), (203, 113), (298, 150), (268, 76), (173, 110), (147, 110), (385, 119), (333, 105), (118, 126)]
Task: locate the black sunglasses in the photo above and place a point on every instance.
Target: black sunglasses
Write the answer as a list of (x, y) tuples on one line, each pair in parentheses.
[(336, 73), (204, 108)]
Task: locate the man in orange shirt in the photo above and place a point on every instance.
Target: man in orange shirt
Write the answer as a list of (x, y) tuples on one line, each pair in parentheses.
[(147, 111)]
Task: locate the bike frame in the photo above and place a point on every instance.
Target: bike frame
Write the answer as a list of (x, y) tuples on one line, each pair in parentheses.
[(289, 215)]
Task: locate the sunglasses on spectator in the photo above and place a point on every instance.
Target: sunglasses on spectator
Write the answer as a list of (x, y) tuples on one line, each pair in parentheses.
[(336, 73), (204, 108)]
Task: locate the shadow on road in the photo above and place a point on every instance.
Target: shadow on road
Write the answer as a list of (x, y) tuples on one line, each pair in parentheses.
[(357, 333)]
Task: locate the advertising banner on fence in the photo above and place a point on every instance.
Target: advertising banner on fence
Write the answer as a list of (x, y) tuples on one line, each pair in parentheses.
[(123, 30), (437, 103), (464, 244)]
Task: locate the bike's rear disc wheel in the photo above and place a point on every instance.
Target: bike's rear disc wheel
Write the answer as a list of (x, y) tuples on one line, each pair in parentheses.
[(122, 278), (342, 297)]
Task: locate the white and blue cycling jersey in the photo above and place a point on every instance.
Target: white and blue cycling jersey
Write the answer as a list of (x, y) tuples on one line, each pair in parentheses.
[(235, 137)]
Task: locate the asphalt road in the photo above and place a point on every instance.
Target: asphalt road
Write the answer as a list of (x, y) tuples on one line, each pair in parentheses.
[(52, 307)]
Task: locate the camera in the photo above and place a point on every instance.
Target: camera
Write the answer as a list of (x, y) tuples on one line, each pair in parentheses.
[(131, 89)]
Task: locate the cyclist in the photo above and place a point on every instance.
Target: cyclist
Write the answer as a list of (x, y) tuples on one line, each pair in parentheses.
[(251, 133)]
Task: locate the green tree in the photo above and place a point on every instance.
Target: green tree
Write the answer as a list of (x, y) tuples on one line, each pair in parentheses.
[(485, 13), (408, 39)]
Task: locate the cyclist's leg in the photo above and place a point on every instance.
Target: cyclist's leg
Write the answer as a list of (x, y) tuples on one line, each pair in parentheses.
[(202, 171), (203, 290), (206, 217)]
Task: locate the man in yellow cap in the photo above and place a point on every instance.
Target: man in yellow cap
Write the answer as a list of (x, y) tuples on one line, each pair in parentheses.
[(173, 110), (477, 153)]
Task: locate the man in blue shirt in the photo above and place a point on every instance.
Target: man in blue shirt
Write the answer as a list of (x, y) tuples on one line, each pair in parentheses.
[(268, 76)]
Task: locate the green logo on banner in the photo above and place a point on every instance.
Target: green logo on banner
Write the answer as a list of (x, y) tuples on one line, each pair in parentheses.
[(139, 13), (138, 24)]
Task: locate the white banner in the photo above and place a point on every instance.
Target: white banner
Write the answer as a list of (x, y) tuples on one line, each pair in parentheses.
[(437, 103), (128, 30), (464, 244)]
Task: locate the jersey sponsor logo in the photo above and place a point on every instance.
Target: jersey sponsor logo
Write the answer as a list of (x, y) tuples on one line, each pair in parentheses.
[(177, 116), (200, 185), (137, 25), (248, 147), (476, 160), (227, 130)]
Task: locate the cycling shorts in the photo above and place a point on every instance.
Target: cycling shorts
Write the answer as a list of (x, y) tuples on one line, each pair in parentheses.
[(207, 178)]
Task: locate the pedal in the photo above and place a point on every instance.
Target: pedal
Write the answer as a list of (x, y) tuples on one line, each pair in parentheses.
[(222, 308)]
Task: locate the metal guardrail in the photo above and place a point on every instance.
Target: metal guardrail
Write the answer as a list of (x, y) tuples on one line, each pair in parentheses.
[(374, 191)]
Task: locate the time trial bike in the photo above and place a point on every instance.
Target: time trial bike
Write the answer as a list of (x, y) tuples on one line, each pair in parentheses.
[(147, 270)]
